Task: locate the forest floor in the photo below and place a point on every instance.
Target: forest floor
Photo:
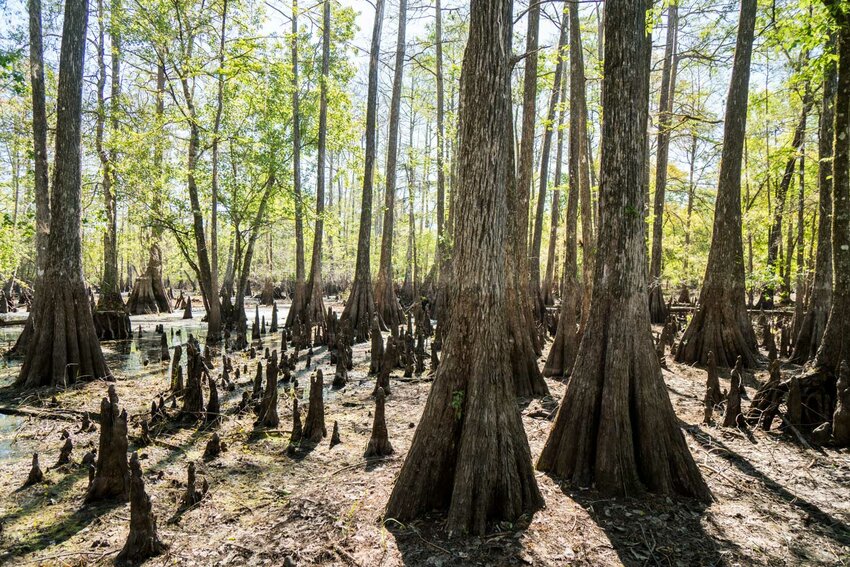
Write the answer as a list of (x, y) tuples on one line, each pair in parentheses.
[(777, 502)]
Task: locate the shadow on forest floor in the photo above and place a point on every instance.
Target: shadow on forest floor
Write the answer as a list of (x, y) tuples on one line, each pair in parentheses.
[(654, 530), (816, 519)]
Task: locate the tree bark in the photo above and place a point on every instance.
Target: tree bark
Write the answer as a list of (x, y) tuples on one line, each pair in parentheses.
[(578, 104), (440, 252), (835, 344), (563, 352), (525, 172), (537, 235), (360, 307), (65, 346), (315, 302), (616, 428), (721, 323), (469, 454), (40, 167), (148, 295), (386, 301), (298, 309), (775, 235), (657, 307), (811, 330), (110, 294), (552, 257)]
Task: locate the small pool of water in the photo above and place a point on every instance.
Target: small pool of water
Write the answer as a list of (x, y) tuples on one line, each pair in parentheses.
[(8, 425)]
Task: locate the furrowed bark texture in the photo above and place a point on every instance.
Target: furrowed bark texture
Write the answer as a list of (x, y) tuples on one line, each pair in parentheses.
[(616, 428), (64, 346), (721, 322), (469, 454)]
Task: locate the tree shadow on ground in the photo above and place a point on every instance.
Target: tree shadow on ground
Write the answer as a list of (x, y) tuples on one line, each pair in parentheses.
[(427, 542), (59, 528), (817, 519), (655, 530)]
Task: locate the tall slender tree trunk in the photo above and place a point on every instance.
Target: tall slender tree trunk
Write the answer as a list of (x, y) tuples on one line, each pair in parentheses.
[(211, 299), (563, 352), (41, 188), (835, 344), (386, 301), (657, 307), (148, 295), (578, 105), (775, 236), (537, 235), (551, 256), (721, 323), (110, 292), (219, 105), (469, 454), (616, 428), (525, 173), (814, 321), (64, 346), (297, 311), (315, 287), (360, 307), (440, 253)]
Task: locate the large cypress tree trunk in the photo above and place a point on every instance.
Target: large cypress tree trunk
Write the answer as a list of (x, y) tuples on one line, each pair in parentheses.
[(835, 344), (657, 307), (64, 346), (297, 311), (315, 303), (360, 307), (469, 454), (41, 189), (616, 428), (386, 301), (148, 295), (537, 235), (814, 321), (721, 323)]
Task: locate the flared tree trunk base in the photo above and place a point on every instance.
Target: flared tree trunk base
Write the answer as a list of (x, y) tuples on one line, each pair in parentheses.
[(148, 296), (810, 335), (297, 311), (64, 347), (527, 378), (469, 455), (657, 307), (112, 325), (616, 428), (720, 325), (563, 352), (315, 307), (387, 304), (359, 310)]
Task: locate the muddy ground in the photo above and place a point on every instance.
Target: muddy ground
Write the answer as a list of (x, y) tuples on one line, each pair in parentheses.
[(778, 502)]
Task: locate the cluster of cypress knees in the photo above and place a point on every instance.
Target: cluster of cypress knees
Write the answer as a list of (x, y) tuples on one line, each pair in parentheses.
[(112, 476), (808, 400)]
